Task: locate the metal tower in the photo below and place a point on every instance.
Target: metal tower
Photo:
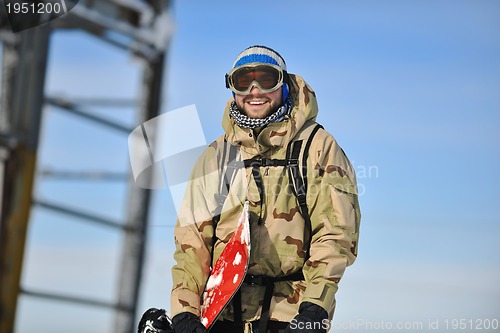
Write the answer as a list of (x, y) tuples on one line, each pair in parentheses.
[(142, 28)]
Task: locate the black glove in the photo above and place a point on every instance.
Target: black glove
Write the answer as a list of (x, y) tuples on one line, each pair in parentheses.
[(155, 321), (312, 318), (187, 322)]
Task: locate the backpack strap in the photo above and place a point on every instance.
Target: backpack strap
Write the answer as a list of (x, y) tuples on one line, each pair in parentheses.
[(298, 179), (227, 161), (228, 164), (268, 282)]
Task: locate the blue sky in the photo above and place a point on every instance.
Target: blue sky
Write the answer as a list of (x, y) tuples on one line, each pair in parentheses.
[(410, 89)]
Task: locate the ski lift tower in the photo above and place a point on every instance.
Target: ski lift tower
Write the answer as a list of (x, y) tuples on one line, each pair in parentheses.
[(140, 27)]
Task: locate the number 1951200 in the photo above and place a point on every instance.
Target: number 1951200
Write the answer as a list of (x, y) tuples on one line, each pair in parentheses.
[(471, 324), (36, 8)]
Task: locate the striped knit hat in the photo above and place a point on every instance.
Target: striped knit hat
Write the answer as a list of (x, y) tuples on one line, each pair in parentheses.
[(265, 55)]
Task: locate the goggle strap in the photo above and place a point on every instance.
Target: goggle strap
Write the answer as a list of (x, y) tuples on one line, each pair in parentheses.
[(286, 78)]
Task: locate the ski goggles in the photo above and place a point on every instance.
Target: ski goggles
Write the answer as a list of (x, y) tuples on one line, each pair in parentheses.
[(266, 77)]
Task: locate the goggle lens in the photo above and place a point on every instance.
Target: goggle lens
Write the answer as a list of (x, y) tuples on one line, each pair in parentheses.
[(268, 78)]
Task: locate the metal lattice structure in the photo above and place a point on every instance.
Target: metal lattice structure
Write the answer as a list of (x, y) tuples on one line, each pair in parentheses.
[(142, 28)]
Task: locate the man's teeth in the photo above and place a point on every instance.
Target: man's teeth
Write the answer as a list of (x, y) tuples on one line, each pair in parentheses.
[(256, 102)]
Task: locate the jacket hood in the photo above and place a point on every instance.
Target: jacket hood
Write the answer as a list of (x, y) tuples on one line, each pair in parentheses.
[(305, 108)]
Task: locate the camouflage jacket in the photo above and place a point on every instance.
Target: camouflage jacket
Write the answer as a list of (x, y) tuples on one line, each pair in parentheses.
[(277, 243)]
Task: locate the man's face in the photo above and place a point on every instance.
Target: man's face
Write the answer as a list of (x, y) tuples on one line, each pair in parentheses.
[(258, 105)]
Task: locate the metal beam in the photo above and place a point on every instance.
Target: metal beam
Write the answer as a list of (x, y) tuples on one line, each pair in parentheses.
[(69, 299), (138, 210), (106, 102), (83, 175), (82, 215), (23, 78), (143, 28), (73, 109)]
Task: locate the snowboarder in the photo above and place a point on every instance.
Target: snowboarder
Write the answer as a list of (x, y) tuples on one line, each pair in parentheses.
[(303, 207)]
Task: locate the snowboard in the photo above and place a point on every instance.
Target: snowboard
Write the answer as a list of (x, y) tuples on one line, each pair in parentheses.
[(228, 272)]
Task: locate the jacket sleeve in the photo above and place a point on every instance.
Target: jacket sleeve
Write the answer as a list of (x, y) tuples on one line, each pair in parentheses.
[(193, 236), (332, 199)]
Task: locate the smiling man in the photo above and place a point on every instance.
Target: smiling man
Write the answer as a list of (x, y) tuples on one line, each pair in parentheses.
[(260, 92), (258, 88), (258, 105), (303, 207)]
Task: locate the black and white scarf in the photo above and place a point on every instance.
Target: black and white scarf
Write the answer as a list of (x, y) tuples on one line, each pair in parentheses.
[(244, 121)]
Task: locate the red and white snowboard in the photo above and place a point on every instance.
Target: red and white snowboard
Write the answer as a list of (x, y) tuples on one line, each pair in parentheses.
[(228, 272)]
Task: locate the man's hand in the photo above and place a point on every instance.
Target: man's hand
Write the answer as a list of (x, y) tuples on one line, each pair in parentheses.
[(187, 322), (155, 321), (312, 318)]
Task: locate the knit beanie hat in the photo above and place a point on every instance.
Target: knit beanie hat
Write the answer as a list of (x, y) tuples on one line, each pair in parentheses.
[(265, 55)]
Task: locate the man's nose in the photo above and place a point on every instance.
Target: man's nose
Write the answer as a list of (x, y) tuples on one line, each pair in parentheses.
[(255, 89)]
